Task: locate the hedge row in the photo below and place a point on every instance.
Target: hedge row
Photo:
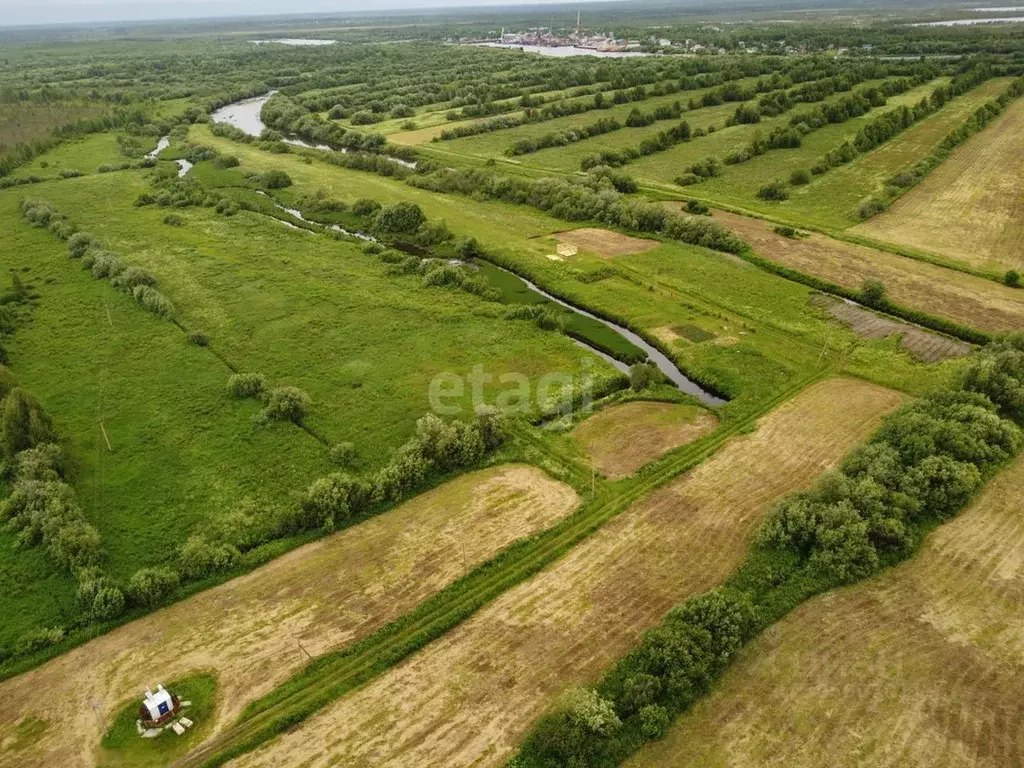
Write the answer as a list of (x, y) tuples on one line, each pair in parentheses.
[(921, 467), (902, 182), (916, 316), (563, 138), (134, 281), (582, 200)]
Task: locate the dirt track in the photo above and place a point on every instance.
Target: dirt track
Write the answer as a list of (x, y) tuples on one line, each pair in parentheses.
[(248, 631), (468, 698)]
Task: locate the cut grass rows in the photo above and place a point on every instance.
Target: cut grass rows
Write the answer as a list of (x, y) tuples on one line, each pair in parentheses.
[(467, 699), (919, 667), (332, 676)]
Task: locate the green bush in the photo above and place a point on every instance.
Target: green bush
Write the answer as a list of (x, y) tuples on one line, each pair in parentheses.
[(364, 206), (23, 423), (773, 191), (696, 207), (799, 177), (1012, 278), (997, 371), (642, 376), (79, 243), (286, 404), (872, 293), (131, 277), (344, 454), (151, 586), (198, 557), (174, 220), (152, 300), (198, 338), (38, 639), (246, 384), (106, 264), (403, 218)]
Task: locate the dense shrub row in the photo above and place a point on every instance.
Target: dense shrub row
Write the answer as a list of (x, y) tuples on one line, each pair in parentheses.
[(889, 124), (41, 509), (582, 200), (660, 142), (921, 467), (136, 282), (562, 138), (903, 181), (437, 448)]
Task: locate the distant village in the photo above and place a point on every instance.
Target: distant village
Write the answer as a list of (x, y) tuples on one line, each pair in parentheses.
[(607, 43)]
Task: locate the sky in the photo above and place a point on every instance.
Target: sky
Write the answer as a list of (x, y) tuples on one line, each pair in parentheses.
[(18, 12)]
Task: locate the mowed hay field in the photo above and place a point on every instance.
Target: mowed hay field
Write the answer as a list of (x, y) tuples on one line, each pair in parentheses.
[(249, 631), (922, 666), (972, 206), (973, 301), (469, 697), (604, 242), (621, 439)]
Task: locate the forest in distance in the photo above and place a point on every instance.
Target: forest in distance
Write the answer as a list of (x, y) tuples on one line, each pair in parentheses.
[(525, 386)]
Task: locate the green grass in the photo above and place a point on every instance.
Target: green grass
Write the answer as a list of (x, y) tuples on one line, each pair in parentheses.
[(85, 154), (831, 200), (515, 291), (568, 158), (123, 746)]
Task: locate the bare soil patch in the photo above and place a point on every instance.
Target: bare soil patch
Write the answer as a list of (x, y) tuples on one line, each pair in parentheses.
[(921, 667), (621, 439), (470, 696), (604, 242), (922, 345), (249, 630), (972, 206), (973, 301)]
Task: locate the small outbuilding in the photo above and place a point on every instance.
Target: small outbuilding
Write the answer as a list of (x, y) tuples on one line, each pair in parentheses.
[(159, 707)]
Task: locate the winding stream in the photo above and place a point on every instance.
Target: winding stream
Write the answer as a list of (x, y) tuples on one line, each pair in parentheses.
[(665, 365), (245, 115), (184, 166)]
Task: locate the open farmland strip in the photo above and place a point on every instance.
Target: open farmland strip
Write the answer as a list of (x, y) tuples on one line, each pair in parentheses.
[(335, 675), (921, 667), (254, 631), (963, 298), (972, 206), (466, 699)]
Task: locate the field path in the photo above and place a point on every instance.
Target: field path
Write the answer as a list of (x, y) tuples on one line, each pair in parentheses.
[(323, 595), (972, 206), (470, 696), (920, 667)]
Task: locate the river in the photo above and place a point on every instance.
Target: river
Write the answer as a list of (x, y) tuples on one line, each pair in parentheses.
[(245, 115)]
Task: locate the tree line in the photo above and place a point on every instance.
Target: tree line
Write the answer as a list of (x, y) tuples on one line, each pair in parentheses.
[(925, 463)]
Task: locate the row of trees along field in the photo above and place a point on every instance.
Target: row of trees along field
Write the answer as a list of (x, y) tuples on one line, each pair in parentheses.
[(921, 467)]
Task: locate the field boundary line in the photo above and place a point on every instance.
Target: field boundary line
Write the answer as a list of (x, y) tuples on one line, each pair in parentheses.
[(335, 674)]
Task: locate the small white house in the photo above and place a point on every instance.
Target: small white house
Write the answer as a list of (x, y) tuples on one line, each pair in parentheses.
[(159, 707)]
